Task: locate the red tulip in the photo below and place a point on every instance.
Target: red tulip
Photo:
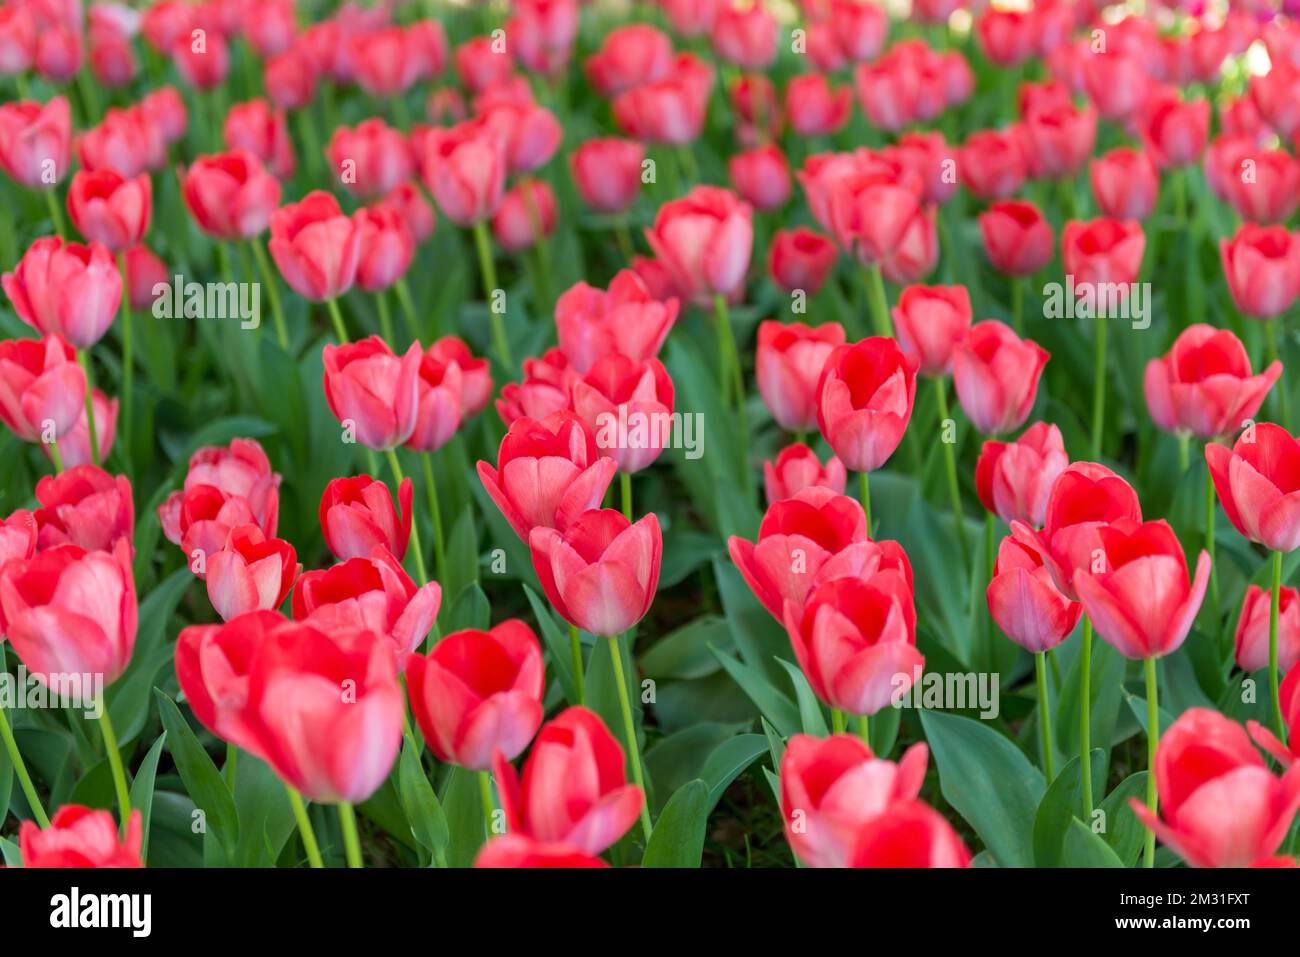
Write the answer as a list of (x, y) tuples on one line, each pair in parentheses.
[(526, 216), (788, 366), (1103, 251), (814, 108), (290, 78), (481, 62), (224, 488), (465, 169), (202, 60), (628, 57), (316, 246), (125, 141), (801, 258), (1221, 805), (1262, 266), (855, 640), (548, 473), (369, 594), (627, 320), (931, 321), (1057, 137), (250, 573), (704, 240), (42, 388), (928, 155), (1252, 636), (408, 202), (671, 110), (602, 572), (269, 27), (66, 289), (745, 36), (992, 164), (996, 375), (70, 611), (373, 389), (441, 403), (1275, 95), (574, 789), (1085, 498), (386, 61), (1014, 479), (74, 448), (1258, 481), (832, 788), (690, 18), (86, 507), (887, 92), (542, 33), (144, 271), (1174, 130), (879, 215), (475, 373), (17, 40), (864, 401), (531, 134), (1117, 83), (385, 246), (628, 406), (1203, 386), (357, 514), (231, 195), (797, 468), (263, 131), (18, 536), (1025, 604), (162, 112), (1007, 37), (761, 176), (859, 27), (35, 142), (516, 850), (757, 109), (1017, 239), (546, 388), (370, 159), (479, 693), (1263, 186), (607, 172), (1286, 754), (911, 834), (80, 837), (1125, 183), (107, 208)]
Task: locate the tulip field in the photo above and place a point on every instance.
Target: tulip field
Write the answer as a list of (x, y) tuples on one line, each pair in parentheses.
[(649, 433)]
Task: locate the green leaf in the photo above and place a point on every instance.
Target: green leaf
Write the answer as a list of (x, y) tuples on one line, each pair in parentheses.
[(423, 812), (684, 653), (471, 610), (1124, 832), (1083, 848), (202, 780), (142, 789), (678, 837), (12, 856), (557, 642), (1064, 798), (729, 760), (811, 717), (128, 699), (463, 806), (776, 707), (989, 782)]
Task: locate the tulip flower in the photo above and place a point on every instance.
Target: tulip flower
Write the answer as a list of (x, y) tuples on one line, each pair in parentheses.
[(607, 173), (628, 57), (465, 168), (788, 366), (1262, 267), (1014, 479), (526, 217), (1254, 483), (1286, 754), (625, 320), (992, 164), (231, 195), (574, 789), (1055, 136), (86, 507), (519, 851), (1252, 635), (910, 834), (881, 217), (128, 141), (357, 514), (1103, 251), (628, 406), (929, 157), (475, 374), (317, 249), (42, 389), (864, 401), (75, 447), (931, 321), (1025, 603), (35, 143), (1175, 130), (66, 289), (546, 388), (371, 159), (107, 208), (745, 36), (263, 131), (1272, 191), (1221, 806), (801, 258), (385, 250), (373, 392), (1017, 239), (996, 375), (814, 108), (290, 78), (250, 573), (669, 111), (80, 837), (544, 32), (386, 61), (797, 468), (761, 176), (704, 240), (479, 693), (1006, 36), (1125, 183)]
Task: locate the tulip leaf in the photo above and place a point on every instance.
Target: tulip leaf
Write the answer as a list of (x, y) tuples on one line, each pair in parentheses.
[(128, 699), (266, 820), (557, 642), (203, 782), (728, 761), (1063, 800), (989, 782), (1124, 832), (1083, 848), (12, 855), (463, 805), (142, 790), (423, 812), (470, 610), (6, 779), (812, 718), (678, 837), (776, 707)]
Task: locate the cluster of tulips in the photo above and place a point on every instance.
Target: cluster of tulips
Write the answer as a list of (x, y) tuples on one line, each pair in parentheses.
[(377, 682)]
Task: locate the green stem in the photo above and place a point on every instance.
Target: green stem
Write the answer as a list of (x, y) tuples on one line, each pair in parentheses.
[(729, 362), (336, 317), (1273, 609), (629, 728), (408, 308), (228, 772), (489, 271), (1153, 742), (1184, 452), (115, 764), (56, 214), (351, 840), (1085, 717), (950, 463), (439, 549), (1098, 385), (272, 291), (575, 649), (84, 358), (864, 494), (879, 302), (1018, 304), (56, 457), (128, 361), (625, 486), (20, 768), (304, 827), (489, 803), (838, 721), (1044, 716), (864, 728), (1283, 412), (415, 526), (1209, 544), (385, 319)]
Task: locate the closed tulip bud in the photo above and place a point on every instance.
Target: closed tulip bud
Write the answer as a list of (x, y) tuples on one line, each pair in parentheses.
[(18, 536), (224, 488), (385, 62), (86, 507), (316, 247), (373, 390), (1058, 139), (251, 573), (864, 401), (231, 195), (370, 159), (1085, 498), (202, 62), (290, 78), (543, 33), (107, 208), (574, 788), (357, 514), (479, 64), (112, 59), (996, 375), (369, 594), (1220, 805), (887, 92), (814, 108), (1173, 129), (1254, 483), (669, 111), (788, 366), (409, 203), (757, 109), (1025, 603), (931, 321), (1007, 37), (1017, 238), (269, 27), (1275, 94), (1203, 386), (256, 127), (144, 271), (1014, 479), (68, 610), (441, 403), (1125, 183), (797, 468), (1117, 83), (801, 258), (931, 159), (527, 215), (81, 837), (42, 388), (745, 36), (36, 142), (618, 391), (1287, 753), (546, 388), (518, 851), (761, 176), (124, 141), (66, 289), (1103, 251), (879, 214), (17, 40), (163, 112), (74, 448), (992, 164), (704, 240), (385, 246), (607, 173), (690, 18), (58, 51), (1262, 266), (548, 473), (1252, 637), (479, 693), (531, 134), (629, 56), (855, 639), (626, 319), (1271, 191), (602, 572), (475, 373), (464, 167), (832, 788)]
